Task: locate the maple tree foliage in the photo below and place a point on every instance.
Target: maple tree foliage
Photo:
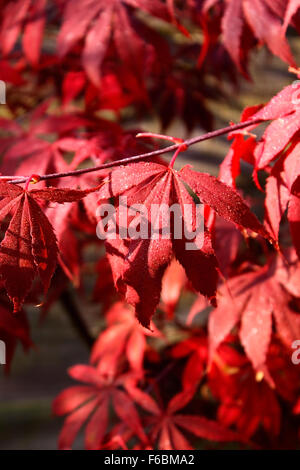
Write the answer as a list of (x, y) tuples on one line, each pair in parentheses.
[(189, 348)]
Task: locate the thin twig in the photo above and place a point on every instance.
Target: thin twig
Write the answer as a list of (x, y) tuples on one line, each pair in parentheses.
[(124, 161)]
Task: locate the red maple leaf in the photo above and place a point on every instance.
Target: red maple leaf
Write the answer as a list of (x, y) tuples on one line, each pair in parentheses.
[(122, 337), (99, 21), (196, 349), (261, 19), (279, 142), (92, 402), (253, 298), (167, 426), (173, 282), (282, 192), (30, 16), (227, 242), (242, 148), (138, 264), (283, 110), (179, 95), (67, 243), (25, 150), (29, 247), (246, 400)]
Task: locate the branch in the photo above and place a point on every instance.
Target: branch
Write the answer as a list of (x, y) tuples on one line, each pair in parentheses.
[(124, 161), (73, 313)]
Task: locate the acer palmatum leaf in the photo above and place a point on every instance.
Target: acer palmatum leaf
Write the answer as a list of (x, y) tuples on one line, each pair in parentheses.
[(167, 426), (263, 20), (244, 401), (29, 247), (283, 110), (282, 194), (242, 148), (138, 265), (28, 14), (195, 349), (99, 22), (92, 402), (173, 283), (124, 336), (253, 299)]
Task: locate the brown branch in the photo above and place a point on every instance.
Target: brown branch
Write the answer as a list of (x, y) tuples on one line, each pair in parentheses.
[(135, 158), (73, 313)]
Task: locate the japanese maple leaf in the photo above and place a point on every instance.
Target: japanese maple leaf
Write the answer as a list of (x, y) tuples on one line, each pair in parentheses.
[(260, 18), (26, 15), (284, 111), (282, 192), (29, 154), (173, 282), (253, 299), (138, 264), (68, 219), (195, 349), (107, 141), (178, 95), (167, 426), (91, 402), (279, 141), (25, 151), (67, 243), (119, 87), (98, 21), (13, 330), (29, 248), (246, 400), (227, 243), (122, 337), (242, 148)]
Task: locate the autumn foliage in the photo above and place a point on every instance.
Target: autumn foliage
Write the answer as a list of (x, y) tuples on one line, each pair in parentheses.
[(194, 347)]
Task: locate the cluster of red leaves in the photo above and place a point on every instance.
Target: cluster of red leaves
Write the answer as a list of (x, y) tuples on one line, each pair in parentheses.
[(162, 429), (278, 144), (242, 25), (246, 22), (222, 371), (125, 52), (247, 383), (148, 415)]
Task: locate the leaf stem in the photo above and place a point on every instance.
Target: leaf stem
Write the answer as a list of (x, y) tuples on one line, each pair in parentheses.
[(143, 156)]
